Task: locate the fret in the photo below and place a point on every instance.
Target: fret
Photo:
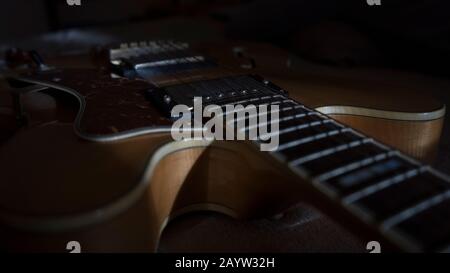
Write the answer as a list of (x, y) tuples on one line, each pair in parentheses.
[(355, 165), (382, 185), (325, 152), (268, 100), (242, 118), (306, 132), (259, 112), (320, 145), (245, 122), (283, 111), (345, 161), (285, 122), (286, 112), (282, 103), (401, 195), (290, 136), (430, 227), (292, 111), (292, 123), (413, 210), (249, 101), (367, 176)]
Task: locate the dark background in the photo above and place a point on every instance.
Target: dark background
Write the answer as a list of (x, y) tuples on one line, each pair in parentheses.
[(412, 34)]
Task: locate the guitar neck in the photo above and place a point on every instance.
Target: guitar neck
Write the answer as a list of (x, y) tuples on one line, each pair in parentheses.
[(401, 199), (384, 190)]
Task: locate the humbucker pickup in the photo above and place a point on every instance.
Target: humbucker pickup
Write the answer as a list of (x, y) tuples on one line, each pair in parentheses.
[(221, 91), (149, 59)]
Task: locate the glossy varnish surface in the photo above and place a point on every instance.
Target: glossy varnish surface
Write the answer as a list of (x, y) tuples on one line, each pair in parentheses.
[(49, 164), (107, 105)]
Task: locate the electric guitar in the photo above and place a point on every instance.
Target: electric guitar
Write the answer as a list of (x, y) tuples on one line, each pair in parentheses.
[(371, 101), (114, 177)]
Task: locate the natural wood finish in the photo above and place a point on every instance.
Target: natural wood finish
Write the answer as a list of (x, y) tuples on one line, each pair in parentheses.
[(221, 177), (417, 139), (368, 89), (320, 86), (47, 172)]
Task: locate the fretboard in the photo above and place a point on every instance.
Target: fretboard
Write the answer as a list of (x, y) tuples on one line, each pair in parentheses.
[(407, 202)]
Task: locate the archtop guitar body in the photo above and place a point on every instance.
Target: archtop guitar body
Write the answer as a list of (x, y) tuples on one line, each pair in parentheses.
[(110, 175)]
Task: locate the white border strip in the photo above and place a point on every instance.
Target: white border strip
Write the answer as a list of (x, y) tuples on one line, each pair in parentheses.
[(375, 113)]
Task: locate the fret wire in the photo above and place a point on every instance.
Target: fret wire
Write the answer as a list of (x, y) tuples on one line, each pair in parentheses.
[(296, 117), (415, 241), (392, 225), (311, 138), (415, 209), (348, 159), (378, 171), (257, 115), (284, 119), (399, 197), (353, 166), (295, 128), (307, 125), (382, 185), (325, 152), (301, 126), (288, 108), (247, 100)]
